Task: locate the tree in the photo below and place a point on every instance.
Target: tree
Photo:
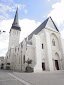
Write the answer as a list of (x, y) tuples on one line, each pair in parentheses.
[(28, 68), (29, 62)]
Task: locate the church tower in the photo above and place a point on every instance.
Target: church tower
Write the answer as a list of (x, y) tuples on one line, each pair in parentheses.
[(14, 32)]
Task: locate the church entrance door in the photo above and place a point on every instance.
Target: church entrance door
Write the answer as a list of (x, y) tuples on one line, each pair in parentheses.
[(56, 64), (43, 66)]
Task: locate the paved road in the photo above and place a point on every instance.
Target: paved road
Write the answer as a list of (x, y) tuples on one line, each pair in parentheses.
[(44, 78), (7, 78)]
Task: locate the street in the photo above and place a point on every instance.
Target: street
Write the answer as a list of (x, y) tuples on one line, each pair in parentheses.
[(6, 79), (43, 78)]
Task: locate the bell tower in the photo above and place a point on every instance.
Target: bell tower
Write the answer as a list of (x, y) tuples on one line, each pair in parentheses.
[(14, 34)]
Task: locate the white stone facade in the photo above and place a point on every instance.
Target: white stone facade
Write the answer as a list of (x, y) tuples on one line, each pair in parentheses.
[(44, 49)]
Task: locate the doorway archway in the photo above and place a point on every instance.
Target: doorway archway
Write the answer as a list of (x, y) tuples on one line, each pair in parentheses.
[(56, 64), (43, 65), (57, 61)]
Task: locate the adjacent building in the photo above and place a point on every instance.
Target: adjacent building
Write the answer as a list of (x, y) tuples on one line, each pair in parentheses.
[(2, 62)]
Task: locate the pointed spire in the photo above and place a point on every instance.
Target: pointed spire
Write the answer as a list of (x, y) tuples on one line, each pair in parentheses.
[(15, 22)]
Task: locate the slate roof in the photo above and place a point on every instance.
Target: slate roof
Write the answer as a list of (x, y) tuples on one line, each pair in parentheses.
[(42, 26), (16, 28), (15, 24), (29, 42), (54, 24)]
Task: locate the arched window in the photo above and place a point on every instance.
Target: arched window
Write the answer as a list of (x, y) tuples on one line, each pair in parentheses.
[(53, 42)]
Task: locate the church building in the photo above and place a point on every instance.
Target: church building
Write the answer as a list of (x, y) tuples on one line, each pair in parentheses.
[(42, 50)]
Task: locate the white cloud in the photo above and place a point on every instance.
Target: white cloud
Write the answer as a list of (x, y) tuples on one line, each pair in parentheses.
[(4, 9), (62, 33), (6, 24), (7, 0), (4, 37), (20, 6), (57, 12), (2, 17), (27, 26), (25, 11), (62, 39), (48, 0), (9, 7), (44, 16)]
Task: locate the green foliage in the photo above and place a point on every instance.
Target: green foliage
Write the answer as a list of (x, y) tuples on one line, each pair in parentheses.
[(29, 61)]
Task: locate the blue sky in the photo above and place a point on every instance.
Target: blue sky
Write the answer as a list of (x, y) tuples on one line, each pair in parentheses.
[(32, 9), (37, 10), (31, 14)]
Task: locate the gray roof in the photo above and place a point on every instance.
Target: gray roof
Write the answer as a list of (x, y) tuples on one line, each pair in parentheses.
[(54, 24), (38, 29), (42, 26), (29, 42), (15, 24)]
